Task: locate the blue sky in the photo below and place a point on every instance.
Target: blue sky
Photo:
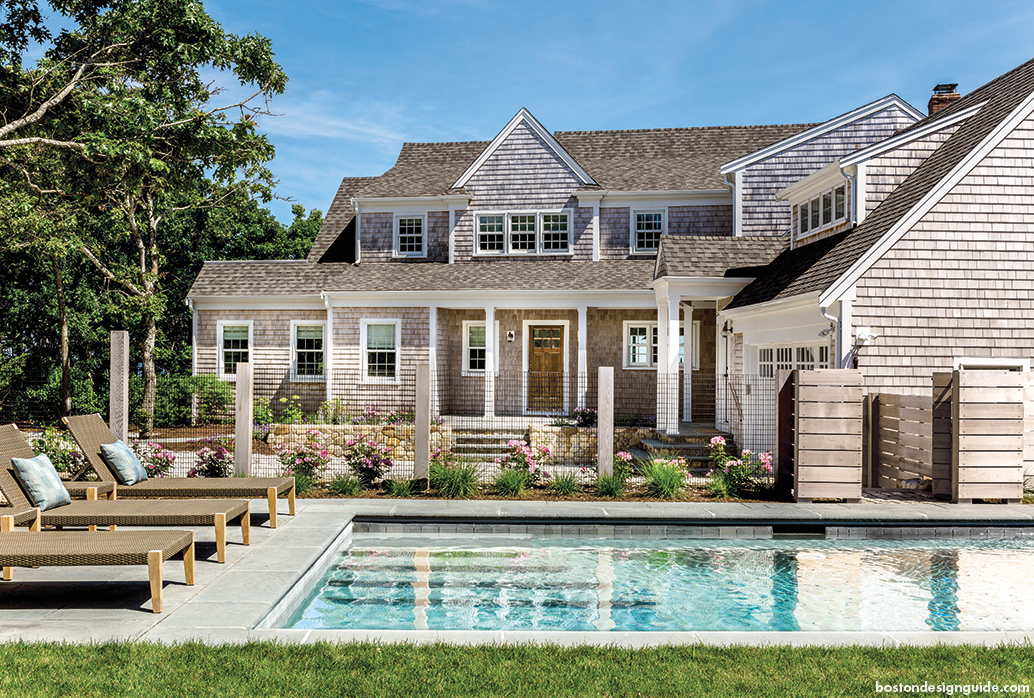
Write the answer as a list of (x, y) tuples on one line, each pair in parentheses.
[(367, 76)]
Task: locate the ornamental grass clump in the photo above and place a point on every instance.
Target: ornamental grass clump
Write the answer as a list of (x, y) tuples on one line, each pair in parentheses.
[(345, 485), (400, 488), (367, 459), (308, 460), (452, 476), (734, 477), (610, 486), (563, 485), (511, 483), (665, 479)]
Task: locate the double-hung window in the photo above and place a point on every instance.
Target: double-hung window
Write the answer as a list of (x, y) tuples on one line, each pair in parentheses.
[(234, 343), (410, 240), (647, 228), (307, 345), (379, 343), (641, 345), (822, 211), (475, 347), (523, 233)]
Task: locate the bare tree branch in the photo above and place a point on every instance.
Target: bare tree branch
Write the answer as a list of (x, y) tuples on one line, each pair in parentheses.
[(106, 273)]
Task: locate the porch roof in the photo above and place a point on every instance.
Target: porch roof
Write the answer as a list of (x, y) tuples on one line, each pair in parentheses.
[(279, 278), (712, 256)]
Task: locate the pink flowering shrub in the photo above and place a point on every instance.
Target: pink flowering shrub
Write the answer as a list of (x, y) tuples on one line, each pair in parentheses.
[(367, 459), (308, 460), (212, 462), (731, 476), (523, 459), (623, 464), (156, 459)]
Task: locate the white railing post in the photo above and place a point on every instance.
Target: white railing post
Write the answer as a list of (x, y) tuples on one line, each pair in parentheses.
[(422, 426), (244, 418), (118, 395), (605, 422)]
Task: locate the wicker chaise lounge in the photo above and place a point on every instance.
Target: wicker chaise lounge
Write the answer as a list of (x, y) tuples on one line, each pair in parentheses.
[(90, 431), (79, 548), (207, 512)]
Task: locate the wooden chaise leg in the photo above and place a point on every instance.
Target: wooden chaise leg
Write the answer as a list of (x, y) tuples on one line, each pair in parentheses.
[(37, 524), (188, 562), (220, 537), (7, 525), (113, 495), (246, 525), (154, 571), (91, 496), (290, 500), (271, 496)]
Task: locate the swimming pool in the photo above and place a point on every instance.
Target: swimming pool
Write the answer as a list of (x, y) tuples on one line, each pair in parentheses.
[(492, 583)]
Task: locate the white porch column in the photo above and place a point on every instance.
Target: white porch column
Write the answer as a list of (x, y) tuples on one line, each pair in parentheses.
[(328, 349), (583, 355), (674, 304), (662, 363), (432, 354), (490, 350)]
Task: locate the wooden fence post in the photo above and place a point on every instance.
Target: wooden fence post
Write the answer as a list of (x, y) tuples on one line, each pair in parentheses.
[(785, 423), (118, 396), (422, 436), (605, 422), (244, 417), (987, 435), (942, 427)]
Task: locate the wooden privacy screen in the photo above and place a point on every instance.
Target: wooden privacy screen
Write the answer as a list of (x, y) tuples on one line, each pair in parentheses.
[(987, 435), (903, 436), (827, 435), (941, 452)]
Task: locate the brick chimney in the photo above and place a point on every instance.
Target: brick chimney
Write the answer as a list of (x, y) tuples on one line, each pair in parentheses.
[(943, 95)]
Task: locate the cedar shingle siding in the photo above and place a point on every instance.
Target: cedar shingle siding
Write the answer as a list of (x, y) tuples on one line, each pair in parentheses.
[(763, 214), (960, 282)]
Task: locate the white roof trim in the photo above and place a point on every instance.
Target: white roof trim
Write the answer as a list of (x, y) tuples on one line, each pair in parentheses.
[(798, 301), (525, 116), (847, 280), (903, 138), (823, 128), (817, 180)]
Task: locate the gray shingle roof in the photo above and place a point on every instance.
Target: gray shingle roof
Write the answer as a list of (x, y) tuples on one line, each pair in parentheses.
[(711, 256), (1003, 95), (338, 215), (259, 278), (668, 159)]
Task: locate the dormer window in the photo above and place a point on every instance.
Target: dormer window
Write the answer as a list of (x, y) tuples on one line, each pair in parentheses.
[(523, 233), (409, 236), (647, 228), (822, 211)]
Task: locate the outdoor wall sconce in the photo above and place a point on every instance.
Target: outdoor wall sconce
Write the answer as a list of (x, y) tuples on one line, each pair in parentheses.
[(510, 335)]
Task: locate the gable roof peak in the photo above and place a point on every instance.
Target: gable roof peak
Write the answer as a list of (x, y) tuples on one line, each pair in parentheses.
[(523, 116)]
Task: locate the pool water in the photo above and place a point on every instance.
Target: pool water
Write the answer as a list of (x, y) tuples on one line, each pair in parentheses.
[(609, 585)]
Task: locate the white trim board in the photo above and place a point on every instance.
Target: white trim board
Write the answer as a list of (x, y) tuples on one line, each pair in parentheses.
[(899, 140), (843, 285), (524, 116), (822, 129)]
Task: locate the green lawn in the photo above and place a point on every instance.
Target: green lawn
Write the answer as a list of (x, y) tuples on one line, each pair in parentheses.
[(264, 669)]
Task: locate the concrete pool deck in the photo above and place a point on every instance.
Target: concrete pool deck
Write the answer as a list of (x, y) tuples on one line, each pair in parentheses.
[(97, 604)]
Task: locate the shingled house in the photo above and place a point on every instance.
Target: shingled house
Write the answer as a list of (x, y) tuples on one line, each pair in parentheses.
[(534, 258)]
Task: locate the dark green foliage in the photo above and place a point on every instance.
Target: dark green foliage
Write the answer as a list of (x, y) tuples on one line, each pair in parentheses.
[(345, 486), (400, 488), (454, 478), (665, 479), (563, 485), (512, 483), (610, 486)]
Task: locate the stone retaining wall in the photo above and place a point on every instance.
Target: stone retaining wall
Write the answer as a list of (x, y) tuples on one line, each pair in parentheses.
[(398, 437), (577, 445)]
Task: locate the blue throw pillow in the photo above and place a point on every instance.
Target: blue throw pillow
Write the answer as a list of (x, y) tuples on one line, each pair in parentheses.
[(127, 466), (41, 482)]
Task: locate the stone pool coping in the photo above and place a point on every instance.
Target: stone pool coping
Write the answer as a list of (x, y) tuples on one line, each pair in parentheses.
[(97, 604)]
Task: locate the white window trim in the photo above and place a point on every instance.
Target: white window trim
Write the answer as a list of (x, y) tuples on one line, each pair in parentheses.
[(464, 368), (395, 236), (219, 325), (694, 345), (363, 363), (835, 221), (631, 228), (755, 354), (295, 324), (539, 251)]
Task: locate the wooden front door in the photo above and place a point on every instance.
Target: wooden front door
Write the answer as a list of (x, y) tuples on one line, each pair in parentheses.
[(546, 368)]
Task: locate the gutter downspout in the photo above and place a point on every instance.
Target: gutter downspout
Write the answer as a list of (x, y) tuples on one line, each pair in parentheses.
[(834, 331)]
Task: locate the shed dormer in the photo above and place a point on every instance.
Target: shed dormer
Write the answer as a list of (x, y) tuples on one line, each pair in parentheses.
[(820, 204)]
